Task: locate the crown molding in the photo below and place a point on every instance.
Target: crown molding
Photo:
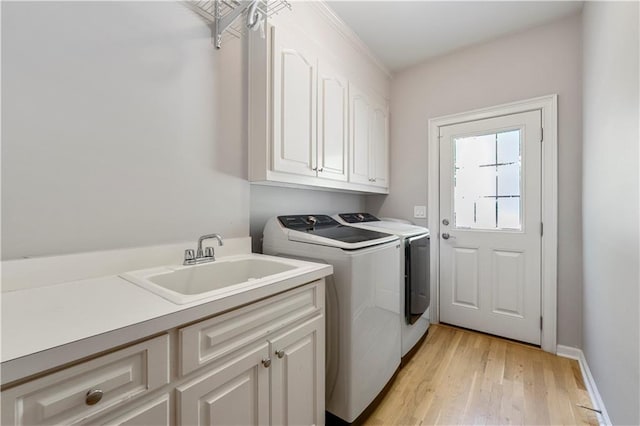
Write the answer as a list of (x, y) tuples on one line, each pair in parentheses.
[(348, 34)]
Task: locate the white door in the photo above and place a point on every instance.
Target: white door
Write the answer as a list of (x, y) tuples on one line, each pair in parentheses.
[(333, 129), (236, 393), (490, 225), (297, 381), (294, 105)]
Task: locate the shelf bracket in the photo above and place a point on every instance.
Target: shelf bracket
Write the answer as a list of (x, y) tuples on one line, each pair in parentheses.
[(223, 22)]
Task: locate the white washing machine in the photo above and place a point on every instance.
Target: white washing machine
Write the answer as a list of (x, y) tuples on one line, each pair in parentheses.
[(363, 303), (414, 271)]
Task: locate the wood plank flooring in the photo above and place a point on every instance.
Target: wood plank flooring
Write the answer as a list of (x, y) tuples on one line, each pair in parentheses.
[(463, 377)]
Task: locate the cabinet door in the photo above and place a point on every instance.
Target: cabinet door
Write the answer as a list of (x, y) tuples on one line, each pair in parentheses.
[(234, 393), (333, 129), (379, 145), (359, 128), (297, 388), (294, 105)]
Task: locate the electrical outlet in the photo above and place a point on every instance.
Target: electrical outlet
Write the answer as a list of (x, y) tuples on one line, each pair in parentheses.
[(419, 212)]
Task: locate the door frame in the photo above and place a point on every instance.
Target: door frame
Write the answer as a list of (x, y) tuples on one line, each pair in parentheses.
[(548, 106)]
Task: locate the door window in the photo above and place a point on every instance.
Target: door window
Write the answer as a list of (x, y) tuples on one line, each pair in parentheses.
[(487, 181)]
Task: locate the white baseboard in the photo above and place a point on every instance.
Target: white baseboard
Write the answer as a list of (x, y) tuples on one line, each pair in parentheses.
[(596, 399)]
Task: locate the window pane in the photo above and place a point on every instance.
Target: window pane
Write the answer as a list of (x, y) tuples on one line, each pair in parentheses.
[(487, 181), (465, 212), (509, 146), (485, 213), (475, 150), (509, 213), (509, 179)]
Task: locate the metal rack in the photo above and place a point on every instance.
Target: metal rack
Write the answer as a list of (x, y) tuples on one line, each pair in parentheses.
[(223, 15)]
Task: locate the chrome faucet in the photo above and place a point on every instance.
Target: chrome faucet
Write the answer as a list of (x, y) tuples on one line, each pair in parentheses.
[(202, 257)]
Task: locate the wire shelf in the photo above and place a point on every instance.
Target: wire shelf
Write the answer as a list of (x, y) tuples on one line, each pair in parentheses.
[(223, 14)]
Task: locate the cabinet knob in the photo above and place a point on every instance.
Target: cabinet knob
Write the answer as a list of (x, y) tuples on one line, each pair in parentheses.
[(93, 396), (321, 169), (280, 353), (266, 362)]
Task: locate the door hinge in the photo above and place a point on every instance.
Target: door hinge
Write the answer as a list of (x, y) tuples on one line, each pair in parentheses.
[(541, 134), (541, 229), (540, 323)]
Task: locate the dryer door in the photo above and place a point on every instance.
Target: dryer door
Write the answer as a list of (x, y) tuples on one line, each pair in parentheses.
[(417, 292)]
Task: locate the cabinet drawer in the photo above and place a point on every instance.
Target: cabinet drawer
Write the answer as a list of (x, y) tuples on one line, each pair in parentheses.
[(210, 340), (156, 412), (61, 398)]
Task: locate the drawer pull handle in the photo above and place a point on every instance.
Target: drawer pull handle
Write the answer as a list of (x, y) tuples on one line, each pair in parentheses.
[(266, 362), (280, 353), (94, 396)]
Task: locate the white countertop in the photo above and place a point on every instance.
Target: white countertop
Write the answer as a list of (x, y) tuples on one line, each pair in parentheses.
[(48, 326)]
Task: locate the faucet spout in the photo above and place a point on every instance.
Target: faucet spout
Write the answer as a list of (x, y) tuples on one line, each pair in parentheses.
[(201, 257), (207, 237)]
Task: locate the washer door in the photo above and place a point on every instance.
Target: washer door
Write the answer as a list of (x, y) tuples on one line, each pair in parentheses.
[(417, 293)]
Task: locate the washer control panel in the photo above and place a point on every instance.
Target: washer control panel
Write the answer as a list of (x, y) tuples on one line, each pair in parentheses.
[(358, 217), (307, 221)]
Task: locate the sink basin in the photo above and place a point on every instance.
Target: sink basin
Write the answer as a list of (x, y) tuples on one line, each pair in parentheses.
[(184, 284)]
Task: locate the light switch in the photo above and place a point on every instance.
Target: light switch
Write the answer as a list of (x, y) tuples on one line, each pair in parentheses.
[(419, 212)]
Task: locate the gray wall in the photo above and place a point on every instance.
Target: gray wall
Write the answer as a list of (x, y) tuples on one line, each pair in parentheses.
[(537, 62), (122, 126), (610, 205), (118, 128)]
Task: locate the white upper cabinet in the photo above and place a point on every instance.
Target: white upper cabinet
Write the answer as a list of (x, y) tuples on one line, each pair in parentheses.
[(333, 124), (308, 125), (379, 144), (294, 106), (359, 135), (369, 138)]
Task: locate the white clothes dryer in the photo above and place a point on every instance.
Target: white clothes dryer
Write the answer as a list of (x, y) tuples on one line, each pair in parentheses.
[(363, 303), (414, 271)]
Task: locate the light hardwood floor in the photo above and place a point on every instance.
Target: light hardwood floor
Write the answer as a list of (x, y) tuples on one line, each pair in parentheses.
[(462, 377)]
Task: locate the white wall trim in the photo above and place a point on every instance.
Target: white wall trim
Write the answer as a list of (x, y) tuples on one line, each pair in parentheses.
[(589, 382), (548, 105), (345, 31)]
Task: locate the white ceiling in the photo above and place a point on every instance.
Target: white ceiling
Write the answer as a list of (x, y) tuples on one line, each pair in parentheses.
[(404, 33)]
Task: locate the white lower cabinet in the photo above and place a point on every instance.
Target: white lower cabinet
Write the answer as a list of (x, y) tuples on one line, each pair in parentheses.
[(260, 364), (279, 382), (297, 375), (235, 393), (83, 391)]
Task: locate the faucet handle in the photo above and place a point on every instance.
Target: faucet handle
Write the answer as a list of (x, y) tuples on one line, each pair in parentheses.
[(208, 252), (189, 254)]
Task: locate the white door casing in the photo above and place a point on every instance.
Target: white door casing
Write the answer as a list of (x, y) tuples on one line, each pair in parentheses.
[(547, 106), (490, 225)]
